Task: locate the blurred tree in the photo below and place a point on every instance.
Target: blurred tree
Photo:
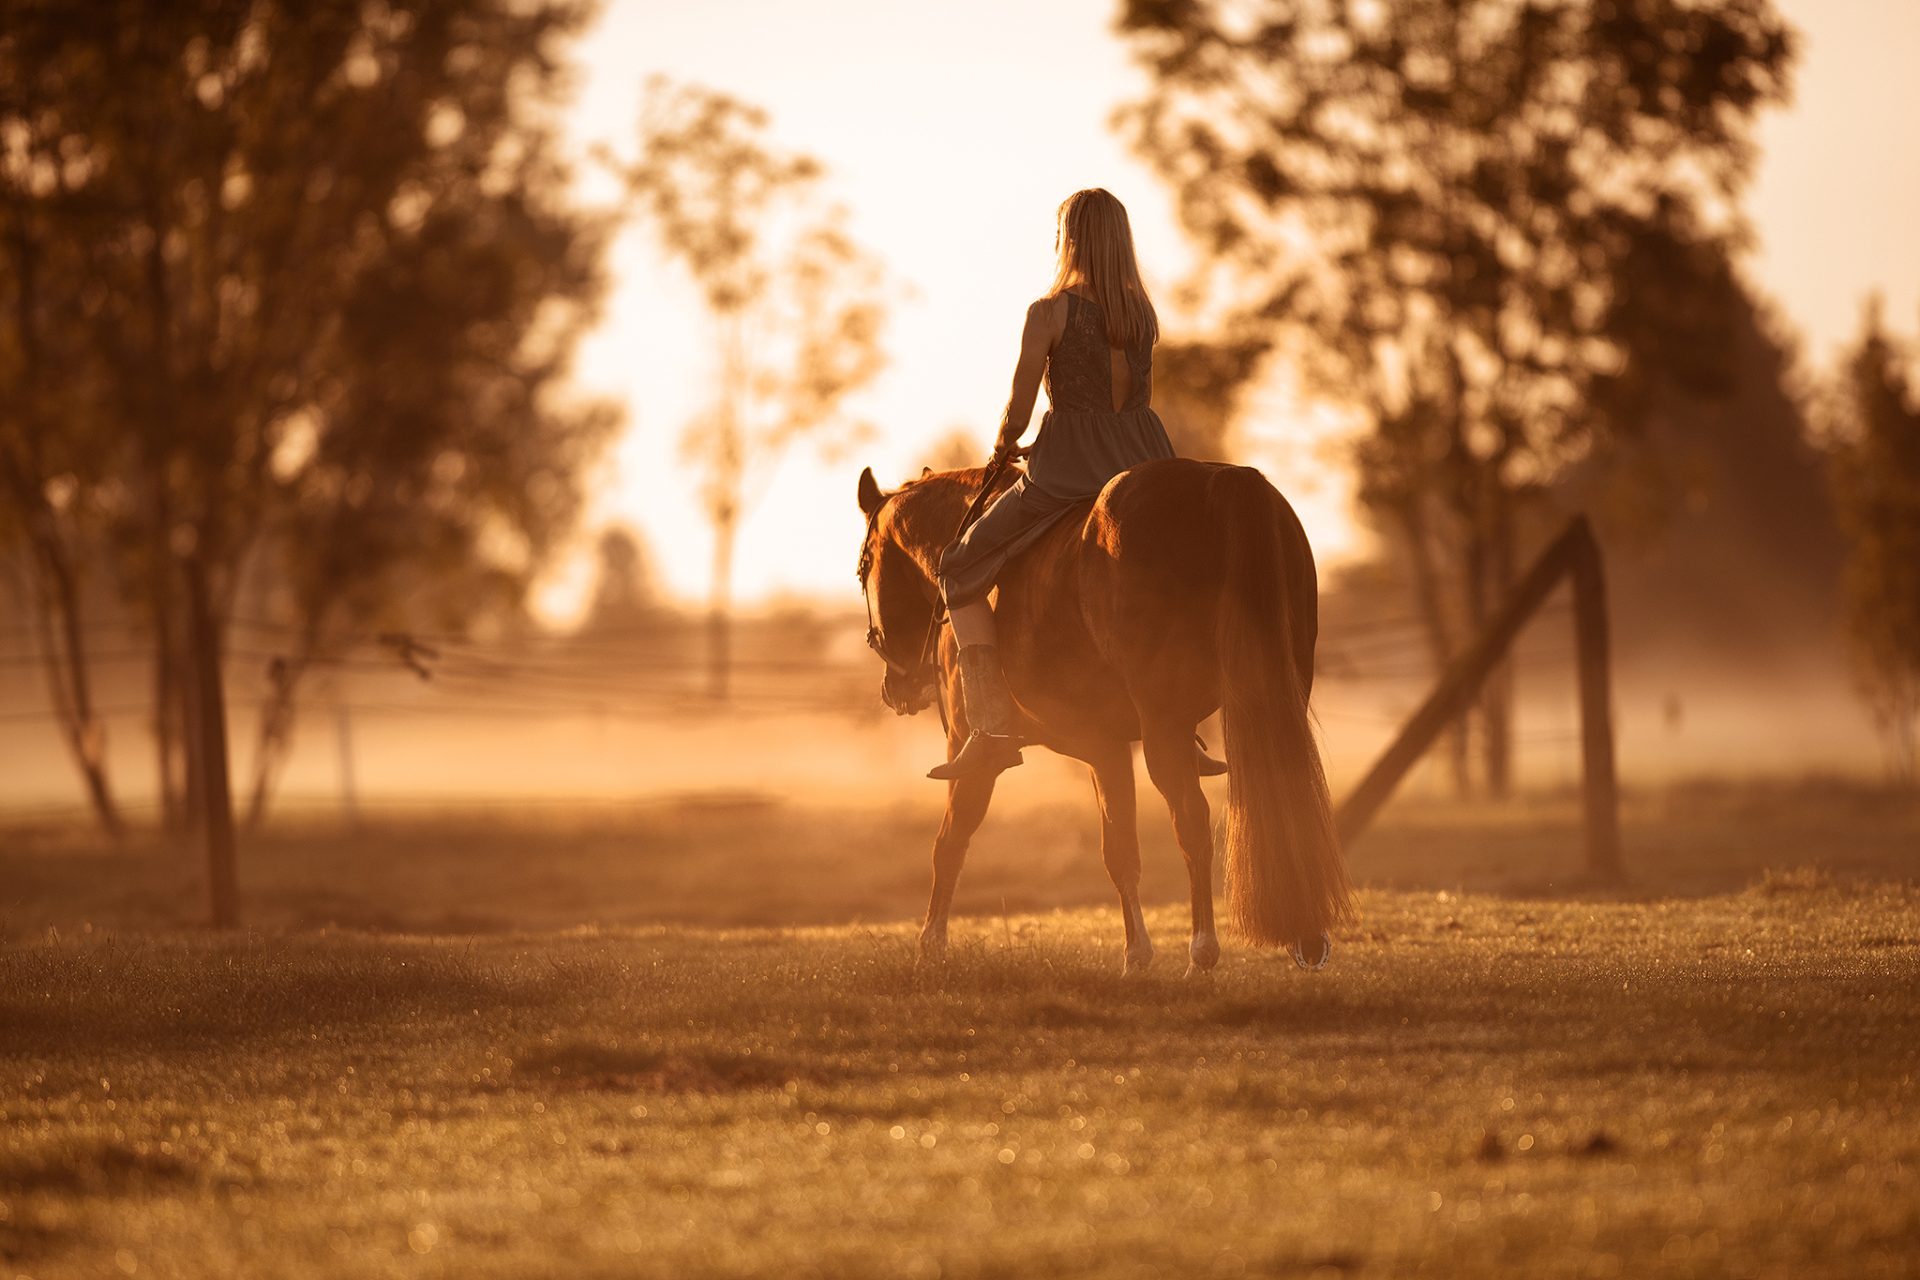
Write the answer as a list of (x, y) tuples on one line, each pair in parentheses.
[(57, 448), (796, 304), (330, 286), (1198, 387), (957, 449), (623, 594), (1492, 224), (1873, 422)]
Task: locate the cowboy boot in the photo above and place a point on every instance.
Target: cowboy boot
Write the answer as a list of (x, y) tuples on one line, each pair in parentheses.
[(991, 746), (1209, 767)]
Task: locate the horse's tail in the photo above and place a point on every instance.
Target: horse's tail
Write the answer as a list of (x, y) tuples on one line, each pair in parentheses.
[(1286, 882)]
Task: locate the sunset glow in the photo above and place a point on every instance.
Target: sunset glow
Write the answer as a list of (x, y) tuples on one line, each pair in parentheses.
[(955, 188)]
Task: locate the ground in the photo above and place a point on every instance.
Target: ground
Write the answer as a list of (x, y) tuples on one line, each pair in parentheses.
[(479, 1061)]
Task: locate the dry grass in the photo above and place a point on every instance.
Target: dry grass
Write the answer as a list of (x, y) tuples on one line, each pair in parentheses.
[(1711, 1073)]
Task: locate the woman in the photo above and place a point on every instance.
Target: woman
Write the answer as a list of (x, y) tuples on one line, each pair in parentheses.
[(1092, 337)]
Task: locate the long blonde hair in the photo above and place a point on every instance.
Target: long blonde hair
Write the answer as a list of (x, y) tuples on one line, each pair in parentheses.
[(1095, 242)]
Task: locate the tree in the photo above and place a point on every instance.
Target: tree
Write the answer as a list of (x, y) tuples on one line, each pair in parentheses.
[(795, 304), (1199, 385), (956, 449), (1873, 420), (623, 594), (327, 286), (57, 442), (1485, 222), (51, 510), (440, 462)]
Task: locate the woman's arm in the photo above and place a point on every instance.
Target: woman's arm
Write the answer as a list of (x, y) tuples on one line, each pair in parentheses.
[(1042, 331)]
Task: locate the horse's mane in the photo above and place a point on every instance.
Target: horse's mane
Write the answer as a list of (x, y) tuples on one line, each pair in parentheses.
[(924, 525)]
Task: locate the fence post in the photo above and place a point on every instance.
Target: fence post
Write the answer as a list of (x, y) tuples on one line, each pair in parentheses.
[(1451, 697), (1575, 554)]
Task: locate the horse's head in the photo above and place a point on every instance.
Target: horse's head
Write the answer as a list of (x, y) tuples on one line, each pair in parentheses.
[(903, 603)]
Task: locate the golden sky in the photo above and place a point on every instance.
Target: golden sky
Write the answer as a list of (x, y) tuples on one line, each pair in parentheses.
[(952, 128)]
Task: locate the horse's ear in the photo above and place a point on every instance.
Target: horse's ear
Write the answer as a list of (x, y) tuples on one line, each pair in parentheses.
[(925, 472), (870, 495)]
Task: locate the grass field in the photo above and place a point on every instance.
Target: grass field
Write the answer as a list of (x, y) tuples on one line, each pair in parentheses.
[(457, 1047)]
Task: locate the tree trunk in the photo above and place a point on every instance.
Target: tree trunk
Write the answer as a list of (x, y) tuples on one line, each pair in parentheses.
[(57, 601), (275, 734), (1496, 705), (63, 644), (216, 798), (720, 611), (89, 731), (167, 720)]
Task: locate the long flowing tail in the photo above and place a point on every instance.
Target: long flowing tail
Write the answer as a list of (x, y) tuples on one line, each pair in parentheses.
[(1286, 881)]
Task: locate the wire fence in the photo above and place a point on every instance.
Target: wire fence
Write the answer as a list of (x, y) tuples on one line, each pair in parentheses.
[(1372, 672)]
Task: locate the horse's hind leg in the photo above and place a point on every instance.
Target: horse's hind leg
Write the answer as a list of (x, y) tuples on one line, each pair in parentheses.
[(1120, 846), (1175, 770), (967, 800)]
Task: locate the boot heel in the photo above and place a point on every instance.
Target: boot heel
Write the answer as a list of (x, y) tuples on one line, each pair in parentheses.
[(981, 754)]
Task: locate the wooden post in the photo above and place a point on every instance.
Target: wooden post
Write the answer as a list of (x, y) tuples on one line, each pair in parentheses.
[(215, 797), (1454, 694), (1573, 554), (1600, 788)]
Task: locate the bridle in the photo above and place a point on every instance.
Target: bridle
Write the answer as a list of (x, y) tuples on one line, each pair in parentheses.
[(875, 640), (920, 674)]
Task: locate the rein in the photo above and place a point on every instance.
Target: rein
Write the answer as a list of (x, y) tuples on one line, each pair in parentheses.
[(874, 641)]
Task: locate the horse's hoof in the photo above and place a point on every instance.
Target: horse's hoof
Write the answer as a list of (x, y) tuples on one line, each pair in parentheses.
[(1313, 953), (1204, 952), (933, 949), (1138, 961)]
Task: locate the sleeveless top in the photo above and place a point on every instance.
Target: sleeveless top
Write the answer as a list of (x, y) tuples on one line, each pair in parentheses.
[(1083, 441)]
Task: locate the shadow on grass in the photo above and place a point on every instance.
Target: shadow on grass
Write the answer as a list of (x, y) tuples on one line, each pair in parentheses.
[(1688, 840), (58, 1000), (737, 861), (590, 1066), (99, 1168), (26, 1240)]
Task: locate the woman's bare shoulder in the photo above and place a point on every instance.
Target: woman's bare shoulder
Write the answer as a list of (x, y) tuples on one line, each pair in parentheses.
[(1051, 312)]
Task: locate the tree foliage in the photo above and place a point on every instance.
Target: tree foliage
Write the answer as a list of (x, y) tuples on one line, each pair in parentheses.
[(1493, 225), (318, 285), (1199, 384), (796, 305)]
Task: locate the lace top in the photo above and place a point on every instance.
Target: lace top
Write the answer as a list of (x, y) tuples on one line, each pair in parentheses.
[(1084, 441), (1080, 370)]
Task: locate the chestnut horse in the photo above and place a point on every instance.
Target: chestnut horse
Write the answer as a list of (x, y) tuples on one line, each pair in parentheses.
[(1186, 587)]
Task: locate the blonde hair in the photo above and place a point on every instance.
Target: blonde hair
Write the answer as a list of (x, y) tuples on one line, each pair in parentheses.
[(1095, 242)]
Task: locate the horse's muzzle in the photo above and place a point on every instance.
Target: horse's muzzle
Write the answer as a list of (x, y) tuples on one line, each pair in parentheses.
[(907, 694)]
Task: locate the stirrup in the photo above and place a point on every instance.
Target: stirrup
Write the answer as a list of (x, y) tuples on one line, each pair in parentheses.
[(1209, 767), (981, 753)]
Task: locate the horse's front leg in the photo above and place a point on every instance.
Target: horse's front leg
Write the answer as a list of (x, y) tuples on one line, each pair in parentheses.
[(1120, 846), (967, 800)]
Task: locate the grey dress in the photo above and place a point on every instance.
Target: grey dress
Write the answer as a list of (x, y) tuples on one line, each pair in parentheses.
[(1083, 443)]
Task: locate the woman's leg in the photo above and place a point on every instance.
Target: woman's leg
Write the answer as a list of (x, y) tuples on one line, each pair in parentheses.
[(990, 717), (973, 623)]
